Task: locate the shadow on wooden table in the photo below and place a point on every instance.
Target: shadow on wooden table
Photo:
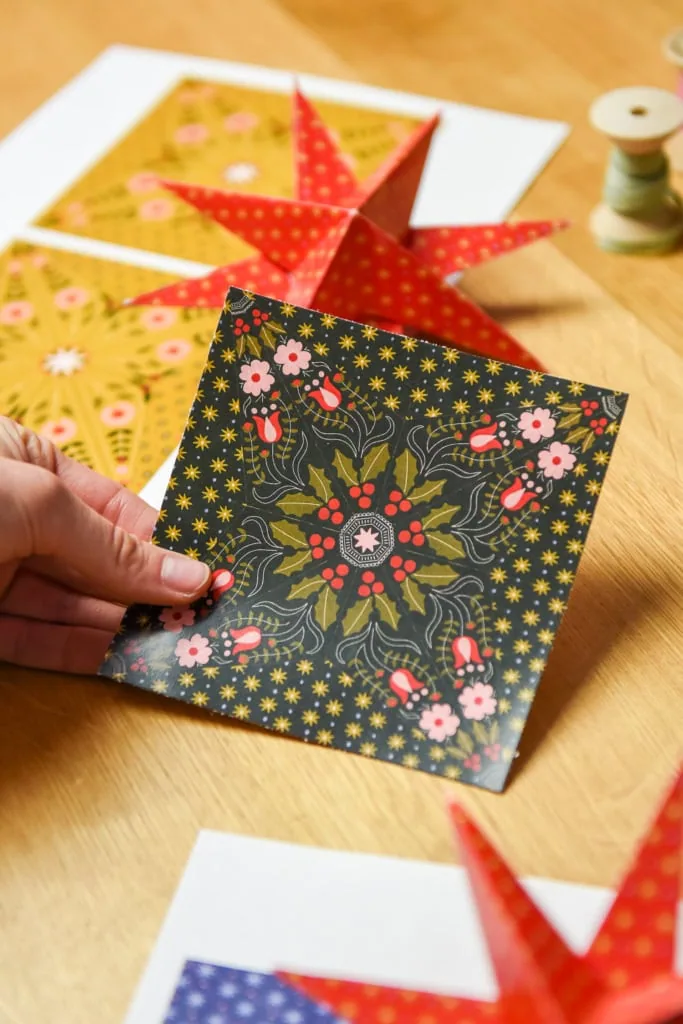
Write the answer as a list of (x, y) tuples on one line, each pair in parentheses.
[(604, 609)]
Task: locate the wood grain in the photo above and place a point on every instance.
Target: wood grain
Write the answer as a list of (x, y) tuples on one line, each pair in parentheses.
[(103, 788)]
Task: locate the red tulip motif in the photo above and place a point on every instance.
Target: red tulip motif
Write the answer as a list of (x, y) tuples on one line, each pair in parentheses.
[(327, 395), (407, 688), (247, 638), (516, 496), (268, 427), (485, 439)]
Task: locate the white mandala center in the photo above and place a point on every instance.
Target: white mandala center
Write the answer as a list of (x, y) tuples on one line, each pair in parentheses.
[(64, 362)]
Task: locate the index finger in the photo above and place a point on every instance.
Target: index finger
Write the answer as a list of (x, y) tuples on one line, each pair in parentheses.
[(108, 498)]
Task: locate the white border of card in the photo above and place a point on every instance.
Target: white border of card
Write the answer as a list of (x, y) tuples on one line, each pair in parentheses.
[(464, 182), (259, 905)]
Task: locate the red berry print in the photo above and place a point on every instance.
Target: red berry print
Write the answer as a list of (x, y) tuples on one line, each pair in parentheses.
[(329, 543), (318, 552), (378, 588), (337, 583), (368, 576), (409, 565), (396, 561), (390, 509), (315, 540), (355, 491), (399, 575), (368, 488), (395, 495), (337, 518), (418, 540), (327, 574), (364, 502), (415, 526), (342, 569), (333, 504), (364, 590), (404, 536), (323, 513), (405, 505)]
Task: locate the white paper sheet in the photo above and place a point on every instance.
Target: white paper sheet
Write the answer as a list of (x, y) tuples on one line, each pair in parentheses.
[(259, 905)]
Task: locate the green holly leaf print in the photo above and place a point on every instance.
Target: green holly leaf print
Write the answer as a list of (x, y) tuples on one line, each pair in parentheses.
[(357, 617), (405, 471), (445, 544), (413, 596), (435, 575), (326, 608), (374, 462), (267, 337), (438, 516), (480, 733), (252, 344), (289, 534), (305, 588), (294, 562), (318, 481), (388, 612), (298, 504), (344, 467), (426, 491)]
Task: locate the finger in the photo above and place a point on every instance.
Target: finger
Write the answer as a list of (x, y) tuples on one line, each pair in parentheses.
[(47, 519), (47, 645), (105, 496), (117, 504), (33, 597)]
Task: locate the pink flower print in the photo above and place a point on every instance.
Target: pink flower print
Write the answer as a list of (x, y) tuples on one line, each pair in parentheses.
[(71, 298), (76, 214), (195, 651), (39, 259), (17, 312), (119, 414), (439, 722), (195, 93), (15, 267), (156, 209), (191, 133), (256, 377), (537, 424), (292, 357), (143, 181), (174, 619), (478, 701), (174, 351), (241, 121), (59, 431), (158, 319), (556, 460)]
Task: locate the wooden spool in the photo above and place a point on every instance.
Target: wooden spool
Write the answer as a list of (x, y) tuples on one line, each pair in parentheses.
[(638, 121), (673, 51)]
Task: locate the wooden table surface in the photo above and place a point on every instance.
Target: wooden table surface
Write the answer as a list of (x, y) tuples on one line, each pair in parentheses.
[(103, 788)]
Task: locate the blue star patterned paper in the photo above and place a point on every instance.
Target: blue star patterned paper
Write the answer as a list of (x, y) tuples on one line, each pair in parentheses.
[(209, 994)]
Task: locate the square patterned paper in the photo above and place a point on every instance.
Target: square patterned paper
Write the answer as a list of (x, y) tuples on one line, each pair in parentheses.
[(394, 528)]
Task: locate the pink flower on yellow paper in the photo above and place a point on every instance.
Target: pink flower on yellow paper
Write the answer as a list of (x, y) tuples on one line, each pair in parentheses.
[(191, 133), (143, 181), (15, 267), (76, 214), (156, 209), (174, 619), (71, 298), (174, 351), (158, 319), (39, 259), (195, 651), (241, 121), (60, 431), (439, 722), (256, 377), (292, 357), (478, 701), (556, 460), (195, 93), (119, 414), (17, 312), (537, 424)]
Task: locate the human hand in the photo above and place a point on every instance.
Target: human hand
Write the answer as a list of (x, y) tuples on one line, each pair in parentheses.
[(74, 550)]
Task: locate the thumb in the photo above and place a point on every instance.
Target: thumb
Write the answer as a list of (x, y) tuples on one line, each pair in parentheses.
[(94, 555)]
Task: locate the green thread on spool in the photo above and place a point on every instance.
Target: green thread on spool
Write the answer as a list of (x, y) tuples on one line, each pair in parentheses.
[(640, 212), (637, 186)]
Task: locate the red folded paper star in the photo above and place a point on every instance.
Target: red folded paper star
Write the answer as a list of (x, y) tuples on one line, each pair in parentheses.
[(347, 248), (626, 977)]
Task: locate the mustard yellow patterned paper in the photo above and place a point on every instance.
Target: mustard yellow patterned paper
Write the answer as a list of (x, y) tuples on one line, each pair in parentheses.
[(111, 385), (210, 134)]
